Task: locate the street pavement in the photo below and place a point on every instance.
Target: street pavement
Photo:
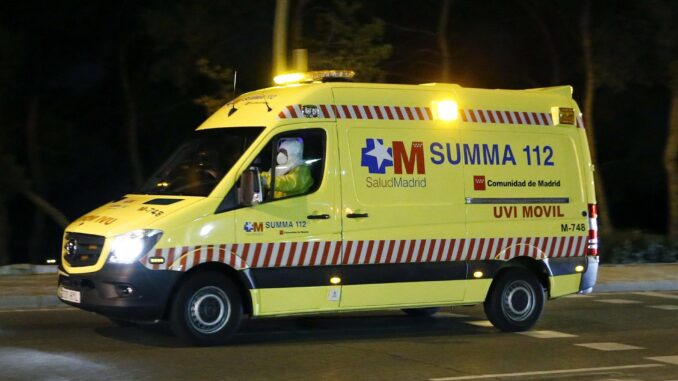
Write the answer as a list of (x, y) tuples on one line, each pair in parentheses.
[(598, 337)]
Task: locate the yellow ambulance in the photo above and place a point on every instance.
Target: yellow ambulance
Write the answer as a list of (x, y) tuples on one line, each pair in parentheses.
[(323, 195)]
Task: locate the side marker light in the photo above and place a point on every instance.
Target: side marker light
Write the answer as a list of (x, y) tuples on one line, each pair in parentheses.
[(156, 260)]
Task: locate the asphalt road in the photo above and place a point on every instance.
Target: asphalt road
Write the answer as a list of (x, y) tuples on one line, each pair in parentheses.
[(603, 337)]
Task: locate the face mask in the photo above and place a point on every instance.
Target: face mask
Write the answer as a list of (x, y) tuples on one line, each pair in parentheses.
[(281, 158)]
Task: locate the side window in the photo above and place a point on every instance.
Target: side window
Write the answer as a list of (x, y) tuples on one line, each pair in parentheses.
[(292, 164)]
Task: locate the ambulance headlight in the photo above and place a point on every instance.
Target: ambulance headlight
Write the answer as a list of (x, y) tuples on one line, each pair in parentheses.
[(128, 247)]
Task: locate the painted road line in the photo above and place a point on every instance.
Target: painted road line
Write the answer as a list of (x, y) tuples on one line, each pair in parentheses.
[(548, 372), (673, 360), (579, 296), (666, 307), (480, 323), (657, 295), (609, 346), (546, 334), (617, 301)]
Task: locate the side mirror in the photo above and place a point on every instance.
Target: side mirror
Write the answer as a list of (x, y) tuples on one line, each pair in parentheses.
[(250, 191)]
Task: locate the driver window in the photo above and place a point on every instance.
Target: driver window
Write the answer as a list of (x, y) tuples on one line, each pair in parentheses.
[(292, 164)]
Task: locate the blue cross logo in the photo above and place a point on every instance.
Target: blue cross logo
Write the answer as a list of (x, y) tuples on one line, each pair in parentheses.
[(375, 156)]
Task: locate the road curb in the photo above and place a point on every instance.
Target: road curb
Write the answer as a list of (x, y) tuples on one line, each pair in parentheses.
[(637, 286), (28, 269)]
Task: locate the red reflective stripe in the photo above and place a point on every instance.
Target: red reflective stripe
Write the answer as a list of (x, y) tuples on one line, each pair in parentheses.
[(326, 254), (380, 251), (280, 253), (368, 252), (491, 116), (368, 112), (377, 110), (422, 251), (501, 116), (388, 112), (290, 258), (475, 242), (196, 257), (432, 256), (401, 252), (302, 257), (481, 246), (408, 110), (429, 113), (399, 112), (293, 113), (325, 111), (210, 254), (347, 112), (358, 250), (337, 253), (347, 251), (314, 253), (356, 111), (419, 113), (481, 114)]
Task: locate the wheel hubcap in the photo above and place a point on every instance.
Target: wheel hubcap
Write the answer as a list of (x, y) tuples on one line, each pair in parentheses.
[(209, 310), (518, 300)]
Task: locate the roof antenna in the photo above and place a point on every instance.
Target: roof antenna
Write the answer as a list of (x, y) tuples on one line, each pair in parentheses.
[(268, 108), (235, 82)]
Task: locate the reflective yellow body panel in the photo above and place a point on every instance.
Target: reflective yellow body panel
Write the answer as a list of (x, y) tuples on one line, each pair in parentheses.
[(392, 172)]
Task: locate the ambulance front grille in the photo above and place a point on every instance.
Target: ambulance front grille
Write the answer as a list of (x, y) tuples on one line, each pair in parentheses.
[(82, 249)]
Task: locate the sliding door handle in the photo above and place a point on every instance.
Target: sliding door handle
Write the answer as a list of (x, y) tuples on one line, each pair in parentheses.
[(357, 215), (318, 217)]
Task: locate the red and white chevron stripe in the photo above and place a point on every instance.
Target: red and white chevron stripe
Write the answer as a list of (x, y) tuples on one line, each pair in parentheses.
[(506, 117), (361, 112), (422, 113), (326, 253)]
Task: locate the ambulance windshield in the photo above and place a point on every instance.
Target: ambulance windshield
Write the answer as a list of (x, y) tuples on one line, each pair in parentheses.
[(198, 165)]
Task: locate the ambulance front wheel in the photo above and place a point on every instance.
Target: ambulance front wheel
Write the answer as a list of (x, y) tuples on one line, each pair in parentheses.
[(207, 309), (515, 301)]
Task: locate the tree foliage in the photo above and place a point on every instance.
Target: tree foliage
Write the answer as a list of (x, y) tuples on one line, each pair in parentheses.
[(339, 40)]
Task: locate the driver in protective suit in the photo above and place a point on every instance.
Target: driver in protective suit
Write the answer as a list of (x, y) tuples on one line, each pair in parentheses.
[(292, 175)]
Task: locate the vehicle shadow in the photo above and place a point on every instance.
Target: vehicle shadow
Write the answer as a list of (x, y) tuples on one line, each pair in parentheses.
[(316, 329)]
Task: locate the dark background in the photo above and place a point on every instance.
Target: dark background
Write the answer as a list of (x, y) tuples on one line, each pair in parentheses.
[(75, 74)]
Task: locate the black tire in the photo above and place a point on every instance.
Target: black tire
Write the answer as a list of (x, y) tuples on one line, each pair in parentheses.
[(421, 312), (206, 310), (515, 301)]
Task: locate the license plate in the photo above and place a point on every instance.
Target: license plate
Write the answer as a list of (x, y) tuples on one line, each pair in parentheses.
[(68, 295)]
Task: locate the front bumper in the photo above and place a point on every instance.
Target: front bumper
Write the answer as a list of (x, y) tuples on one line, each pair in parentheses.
[(129, 292)]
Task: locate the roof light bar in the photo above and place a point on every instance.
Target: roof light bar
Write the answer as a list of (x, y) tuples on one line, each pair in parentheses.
[(314, 76)]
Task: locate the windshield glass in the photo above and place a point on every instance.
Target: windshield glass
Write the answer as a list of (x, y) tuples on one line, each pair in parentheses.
[(199, 164)]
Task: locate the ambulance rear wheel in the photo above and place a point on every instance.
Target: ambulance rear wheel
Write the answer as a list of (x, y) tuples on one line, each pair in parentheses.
[(515, 301), (207, 309), (421, 312)]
